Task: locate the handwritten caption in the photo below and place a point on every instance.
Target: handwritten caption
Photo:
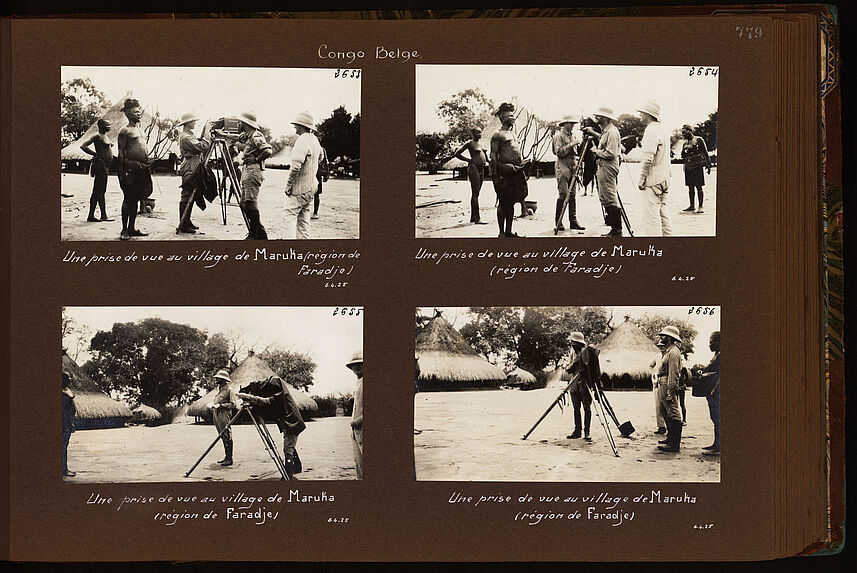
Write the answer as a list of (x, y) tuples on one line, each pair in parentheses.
[(602, 507), (332, 267), (239, 507), (511, 263)]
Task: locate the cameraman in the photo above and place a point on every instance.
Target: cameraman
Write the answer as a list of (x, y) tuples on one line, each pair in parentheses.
[(607, 174), (256, 150)]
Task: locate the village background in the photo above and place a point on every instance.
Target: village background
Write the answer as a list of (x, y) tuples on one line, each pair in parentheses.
[(276, 95), (451, 99), (142, 379), (487, 374)]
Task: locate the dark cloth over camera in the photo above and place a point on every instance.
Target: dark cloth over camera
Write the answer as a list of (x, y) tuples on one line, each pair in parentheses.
[(274, 403)]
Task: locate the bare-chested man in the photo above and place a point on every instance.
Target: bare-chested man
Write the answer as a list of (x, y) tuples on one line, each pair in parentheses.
[(134, 163), (508, 169), (102, 157), (475, 169)]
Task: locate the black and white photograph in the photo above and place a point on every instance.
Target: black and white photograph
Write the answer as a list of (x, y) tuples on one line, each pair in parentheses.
[(213, 153), (562, 151), (567, 394), (172, 394)]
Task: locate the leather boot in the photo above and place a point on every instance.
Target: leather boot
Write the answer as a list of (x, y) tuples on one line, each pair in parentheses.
[(572, 214), (184, 227), (557, 222), (673, 436), (227, 461), (289, 463)]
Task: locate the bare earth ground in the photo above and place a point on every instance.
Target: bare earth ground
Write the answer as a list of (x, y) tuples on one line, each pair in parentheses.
[(453, 219), (476, 436), (339, 214), (166, 453)]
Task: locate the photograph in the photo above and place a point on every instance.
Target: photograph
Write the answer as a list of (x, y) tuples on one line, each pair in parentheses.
[(564, 151), (214, 153), (172, 394), (567, 394)]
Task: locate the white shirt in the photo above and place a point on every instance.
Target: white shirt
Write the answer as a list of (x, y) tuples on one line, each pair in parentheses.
[(655, 155)]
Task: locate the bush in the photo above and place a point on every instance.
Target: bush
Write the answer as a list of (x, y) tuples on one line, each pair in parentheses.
[(326, 406)]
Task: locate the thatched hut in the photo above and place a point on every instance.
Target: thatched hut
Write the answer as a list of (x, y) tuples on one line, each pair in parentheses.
[(95, 409), (144, 414), (520, 378), (625, 356), (448, 362), (252, 369)]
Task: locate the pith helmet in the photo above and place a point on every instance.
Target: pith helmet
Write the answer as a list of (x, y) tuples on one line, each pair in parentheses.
[(605, 112), (356, 358), (652, 108), (249, 118), (187, 118), (223, 375), (578, 337), (304, 118), (567, 119), (671, 331)]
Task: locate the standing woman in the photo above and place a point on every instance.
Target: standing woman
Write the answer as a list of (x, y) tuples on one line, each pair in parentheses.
[(694, 154), (222, 410), (475, 169)]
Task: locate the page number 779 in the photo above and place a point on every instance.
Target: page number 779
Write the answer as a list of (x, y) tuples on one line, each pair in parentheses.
[(749, 32)]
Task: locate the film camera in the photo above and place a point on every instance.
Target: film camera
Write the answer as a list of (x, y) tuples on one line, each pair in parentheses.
[(228, 124)]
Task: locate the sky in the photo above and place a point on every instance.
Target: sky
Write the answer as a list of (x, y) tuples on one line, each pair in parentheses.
[(705, 324), (275, 95), (550, 92), (329, 340)]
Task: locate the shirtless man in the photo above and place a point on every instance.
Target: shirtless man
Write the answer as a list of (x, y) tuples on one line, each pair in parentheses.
[(134, 162), (475, 168), (507, 169), (102, 157)]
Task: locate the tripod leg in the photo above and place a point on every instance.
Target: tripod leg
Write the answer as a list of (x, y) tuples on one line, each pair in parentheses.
[(277, 459), (269, 446), (214, 443), (624, 214)]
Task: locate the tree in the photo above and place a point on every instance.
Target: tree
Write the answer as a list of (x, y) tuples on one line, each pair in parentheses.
[(463, 111), (153, 361), (217, 356), (339, 134), (293, 367), (75, 336), (432, 151), (631, 129), (81, 105), (652, 324), (532, 337), (707, 130)]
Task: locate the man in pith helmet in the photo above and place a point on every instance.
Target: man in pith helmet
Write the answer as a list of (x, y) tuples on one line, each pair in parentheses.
[(669, 380), (303, 184), (564, 147), (356, 366)]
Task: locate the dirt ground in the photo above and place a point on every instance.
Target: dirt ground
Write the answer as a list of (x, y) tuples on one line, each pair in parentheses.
[(476, 436), (166, 453), (339, 213), (453, 219)]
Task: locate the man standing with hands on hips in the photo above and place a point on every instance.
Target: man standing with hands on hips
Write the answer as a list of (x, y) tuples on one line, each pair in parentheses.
[(302, 183), (655, 170)]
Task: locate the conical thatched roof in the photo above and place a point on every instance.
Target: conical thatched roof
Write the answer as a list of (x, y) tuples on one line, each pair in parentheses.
[(95, 409), (627, 350), (117, 120), (520, 376), (143, 413), (446, 357), (251, 369)]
